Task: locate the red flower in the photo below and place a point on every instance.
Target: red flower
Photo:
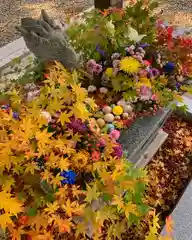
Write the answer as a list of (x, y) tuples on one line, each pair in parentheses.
[(23, 220), (95, 156), (46, 75)]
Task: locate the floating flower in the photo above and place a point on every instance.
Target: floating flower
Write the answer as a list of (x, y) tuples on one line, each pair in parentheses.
[(145, 81), (109, 72), (103, 90), (115, 134), (117, 110), (97, 68), (115, 56), (91, 89), (145, 93), (91, 63), (129, 65), (80, 159), (117, 151), (102, 142), (110, 27), (169, 67), (98, 49), (70, 177), (77, 125), (154, 97), (143, 73), (95, 156), (15, 115)]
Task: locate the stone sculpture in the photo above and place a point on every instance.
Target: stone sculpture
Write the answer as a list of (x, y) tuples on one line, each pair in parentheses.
[(47, 40)]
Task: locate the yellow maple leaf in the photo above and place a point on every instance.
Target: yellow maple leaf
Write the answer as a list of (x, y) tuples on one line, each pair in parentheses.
[(68, 207), (64, 164), (56, 181), (130, 208), (51, 208), (10, 204), (80, 111), (91, 193), (91, 103), (5, 219), (81, 93), (65, 117), (31, 168), (118, 200)]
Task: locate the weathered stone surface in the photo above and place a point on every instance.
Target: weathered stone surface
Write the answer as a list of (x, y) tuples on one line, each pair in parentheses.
[(182, 217), (187, 99), (137, 138)]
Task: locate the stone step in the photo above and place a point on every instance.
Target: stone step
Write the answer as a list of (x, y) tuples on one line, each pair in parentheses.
[(151, 150), (182, 217)]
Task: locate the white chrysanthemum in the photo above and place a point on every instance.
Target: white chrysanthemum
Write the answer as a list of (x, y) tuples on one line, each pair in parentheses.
[(110, 27), (103, 90), (92, 88)]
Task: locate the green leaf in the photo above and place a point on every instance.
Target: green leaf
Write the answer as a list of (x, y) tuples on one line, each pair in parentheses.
[(107, 197), (31, 212), (144, 209), (133, 219)]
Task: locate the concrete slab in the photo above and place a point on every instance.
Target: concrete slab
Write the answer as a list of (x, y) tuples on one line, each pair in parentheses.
[(182, 217)]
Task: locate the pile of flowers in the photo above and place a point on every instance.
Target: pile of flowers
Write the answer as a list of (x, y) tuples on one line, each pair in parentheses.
[(61, 177), (131, 67)]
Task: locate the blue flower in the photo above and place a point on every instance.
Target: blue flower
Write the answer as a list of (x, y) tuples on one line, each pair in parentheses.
[(98, 49), (144, 45), (169, 67), (70, 177), (15, 115)]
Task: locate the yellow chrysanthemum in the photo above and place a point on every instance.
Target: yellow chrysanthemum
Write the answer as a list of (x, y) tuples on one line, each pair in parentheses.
[(130, 65), (117, 110), (80, 159), (109, 72), (144, 81)]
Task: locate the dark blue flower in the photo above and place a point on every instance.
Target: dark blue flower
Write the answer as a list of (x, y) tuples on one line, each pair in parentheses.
[(15, 115), (98, 49), (177, 86), (144, 45), (70, 177), (169, 67)]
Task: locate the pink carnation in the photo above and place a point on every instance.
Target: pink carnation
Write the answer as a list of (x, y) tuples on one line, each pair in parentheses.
[(115, 134)]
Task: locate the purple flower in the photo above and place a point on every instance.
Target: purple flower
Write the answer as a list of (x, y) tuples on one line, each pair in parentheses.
[(70, 177), (154, 72), (15, 115), (97, 69), (144, 45), (117, 151), (77, 126), (98, 49)]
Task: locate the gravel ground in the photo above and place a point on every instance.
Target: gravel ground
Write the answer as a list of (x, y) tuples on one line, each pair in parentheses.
[(178, 12), (11, 12)]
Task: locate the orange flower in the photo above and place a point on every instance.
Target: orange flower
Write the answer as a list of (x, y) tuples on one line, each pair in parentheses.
[(95, 156)]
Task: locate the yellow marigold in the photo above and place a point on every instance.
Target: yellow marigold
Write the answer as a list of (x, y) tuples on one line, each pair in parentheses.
[(144, 81), (117, 110), (109, 72), (80, 159), (130, 65)]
